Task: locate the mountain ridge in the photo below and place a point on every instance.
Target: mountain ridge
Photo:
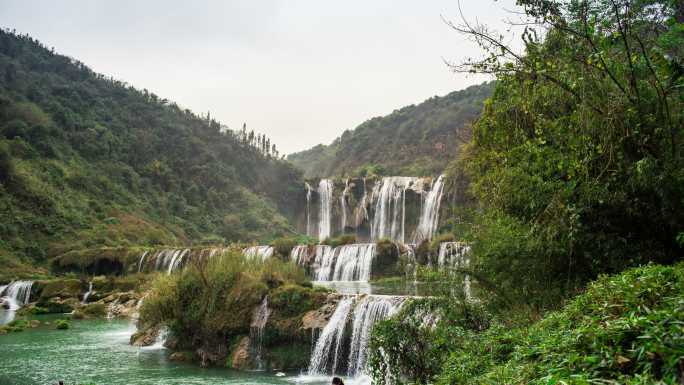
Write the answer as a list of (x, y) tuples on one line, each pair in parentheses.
[(418, 139)]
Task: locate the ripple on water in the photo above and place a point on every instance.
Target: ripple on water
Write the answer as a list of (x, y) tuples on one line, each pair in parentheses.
[(97, 351)]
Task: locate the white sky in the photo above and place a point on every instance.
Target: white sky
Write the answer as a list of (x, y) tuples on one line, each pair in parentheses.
[(301, 71)]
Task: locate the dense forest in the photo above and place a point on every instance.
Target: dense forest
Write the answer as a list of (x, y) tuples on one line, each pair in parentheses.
[(575, 171), (414, 140), (89, 161)]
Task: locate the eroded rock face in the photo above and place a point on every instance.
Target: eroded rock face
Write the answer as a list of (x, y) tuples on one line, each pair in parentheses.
[(241, 359), (121, 305), (318, 318), (211, 356), (145, 337), (178, 357)]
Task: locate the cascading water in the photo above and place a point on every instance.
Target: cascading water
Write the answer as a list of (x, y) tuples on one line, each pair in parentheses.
[(455, 255), (325, 192), (308, 208), (88, 293), (389, 213), (429, 215), (170, 260), (361, 210), (18, 293), (364, 314), (300, 254), (176, 260), (367, 312), (142, 260), (262, 252), (346, 263), (256, 331), (330, 340), (343, 204)]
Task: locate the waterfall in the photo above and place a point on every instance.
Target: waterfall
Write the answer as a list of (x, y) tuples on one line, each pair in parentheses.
[(325, 192), (390, 207), (262, 252), (88, 293), (363, 314), (18, 293), (361, 210), (346, 263), (367, 312), (456, 255), (343, 204), (142, 260), (160, 340), (176, 259), (330, 339), (256, 331), (300, 255), (453, 254), (429, 213), (308, 208)]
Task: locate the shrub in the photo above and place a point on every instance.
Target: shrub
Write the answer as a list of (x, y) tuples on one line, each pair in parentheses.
[(283, 246), (345, 239), (61, 324)]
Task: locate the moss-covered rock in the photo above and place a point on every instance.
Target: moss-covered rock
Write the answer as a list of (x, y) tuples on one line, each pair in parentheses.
[(386, 262), (63, 288)]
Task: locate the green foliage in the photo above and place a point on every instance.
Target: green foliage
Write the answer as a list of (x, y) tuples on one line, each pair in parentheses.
[(212, 303), (62, 324), (386, 262), (404, 346), (577, 161), (344, 239), (624, 329), (414, 140), (87, 161), (94, 310), (283, 246)]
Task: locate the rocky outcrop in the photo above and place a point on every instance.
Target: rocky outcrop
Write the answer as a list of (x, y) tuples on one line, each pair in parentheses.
[(318, 318), (240, 358), (145, 337)]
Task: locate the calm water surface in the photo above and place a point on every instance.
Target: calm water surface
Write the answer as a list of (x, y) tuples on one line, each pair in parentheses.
[(97, 352)]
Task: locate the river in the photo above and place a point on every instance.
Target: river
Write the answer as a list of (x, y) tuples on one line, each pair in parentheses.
[(98, 352)]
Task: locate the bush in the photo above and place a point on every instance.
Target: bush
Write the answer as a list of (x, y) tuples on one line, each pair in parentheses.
[(61, 324), (345, 239), (209, 302), (283, 246), (624, 329)]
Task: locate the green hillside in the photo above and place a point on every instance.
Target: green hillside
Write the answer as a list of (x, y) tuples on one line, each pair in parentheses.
[(86, 161), (414, 140)]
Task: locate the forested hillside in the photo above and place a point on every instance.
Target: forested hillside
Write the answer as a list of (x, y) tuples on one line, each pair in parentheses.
[(87, 161), (414, 140)]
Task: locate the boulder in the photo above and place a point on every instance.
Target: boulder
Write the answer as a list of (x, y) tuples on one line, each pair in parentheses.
[(179, 357), (145, 337)]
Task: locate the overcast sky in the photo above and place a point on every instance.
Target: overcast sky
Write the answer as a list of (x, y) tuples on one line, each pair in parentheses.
[(301, 71)]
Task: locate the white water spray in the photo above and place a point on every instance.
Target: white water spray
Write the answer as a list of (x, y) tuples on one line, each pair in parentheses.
[(429, 215), (325, 192)]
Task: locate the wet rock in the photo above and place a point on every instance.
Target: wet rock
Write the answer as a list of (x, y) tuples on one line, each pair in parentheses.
[(318, 318), (171, 343), (179, 357), (4, 303), (145, 337), (240, 359), (214, 355)]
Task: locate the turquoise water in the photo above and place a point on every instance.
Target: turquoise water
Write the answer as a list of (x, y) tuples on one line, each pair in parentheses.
[(97, 352)]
